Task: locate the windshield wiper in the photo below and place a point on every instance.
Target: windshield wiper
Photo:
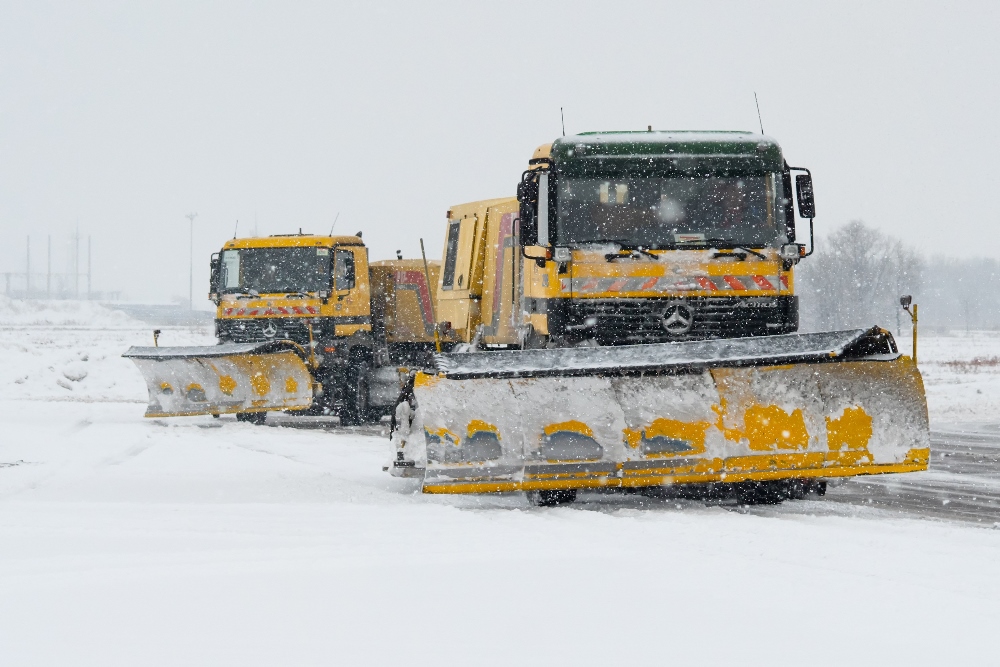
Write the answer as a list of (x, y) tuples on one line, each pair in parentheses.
[(731, 246), (624, 246)]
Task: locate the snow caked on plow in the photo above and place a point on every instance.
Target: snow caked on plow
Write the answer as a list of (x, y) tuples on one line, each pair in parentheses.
[(223, 379), (798, 406)]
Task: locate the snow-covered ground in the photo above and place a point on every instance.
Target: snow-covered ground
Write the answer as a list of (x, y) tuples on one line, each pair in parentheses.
[(961, 374), (129, 541)]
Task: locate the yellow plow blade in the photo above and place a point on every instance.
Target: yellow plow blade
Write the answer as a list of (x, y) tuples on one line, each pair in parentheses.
[(781, 407), (220, 379)]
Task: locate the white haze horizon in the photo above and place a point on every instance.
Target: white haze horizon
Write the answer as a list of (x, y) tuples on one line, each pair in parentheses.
[(121, 118)]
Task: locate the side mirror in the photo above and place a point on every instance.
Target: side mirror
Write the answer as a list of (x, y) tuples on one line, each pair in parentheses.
[(214, 268), (905, 301), (804, 190), (527, 199)]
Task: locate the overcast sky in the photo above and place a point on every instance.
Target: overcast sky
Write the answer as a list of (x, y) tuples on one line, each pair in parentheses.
[(123, 117)]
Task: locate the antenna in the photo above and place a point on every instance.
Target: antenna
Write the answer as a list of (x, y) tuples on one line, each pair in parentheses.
[(758, 112), (337, 217), (237, 227), (562, 116)]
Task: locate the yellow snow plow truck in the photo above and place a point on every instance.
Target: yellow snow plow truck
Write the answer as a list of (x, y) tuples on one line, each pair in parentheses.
[(627, 322), (304, 323)]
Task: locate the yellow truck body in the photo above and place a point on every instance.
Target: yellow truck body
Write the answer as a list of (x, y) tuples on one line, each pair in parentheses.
[(628, 321), (309, 319)]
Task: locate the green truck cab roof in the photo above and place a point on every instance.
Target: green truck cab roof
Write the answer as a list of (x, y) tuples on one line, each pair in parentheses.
[(702, 150)]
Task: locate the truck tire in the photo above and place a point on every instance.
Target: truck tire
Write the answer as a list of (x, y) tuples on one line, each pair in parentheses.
[(256, 418), (551, 498), (356, 409), (773, 492)]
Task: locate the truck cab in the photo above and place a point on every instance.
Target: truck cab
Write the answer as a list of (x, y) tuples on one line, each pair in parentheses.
[(311, 290), (631, 237)]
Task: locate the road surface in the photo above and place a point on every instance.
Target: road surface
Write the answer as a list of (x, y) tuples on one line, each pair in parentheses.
[(963, 483)]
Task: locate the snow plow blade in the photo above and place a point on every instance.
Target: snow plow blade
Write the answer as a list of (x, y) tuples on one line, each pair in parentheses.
[(221, 379), (794, 406)]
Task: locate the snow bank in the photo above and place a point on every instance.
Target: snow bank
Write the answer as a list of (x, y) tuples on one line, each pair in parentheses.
[(19, 312), (78, 363)]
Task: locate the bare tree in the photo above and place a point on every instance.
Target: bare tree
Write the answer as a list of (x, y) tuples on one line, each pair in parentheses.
[(855, 279)]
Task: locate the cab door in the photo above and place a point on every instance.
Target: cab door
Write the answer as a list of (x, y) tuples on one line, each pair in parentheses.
[(455, 295), (350, 290)]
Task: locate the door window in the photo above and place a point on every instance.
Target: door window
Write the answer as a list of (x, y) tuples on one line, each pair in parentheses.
[(231, 269), (451, 255), (343, 270)]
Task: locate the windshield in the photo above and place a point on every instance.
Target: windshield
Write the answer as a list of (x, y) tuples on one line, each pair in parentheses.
[(276, 270), (666, 211)]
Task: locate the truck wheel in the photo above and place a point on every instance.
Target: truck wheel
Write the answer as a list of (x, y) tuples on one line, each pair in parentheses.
[(551, 497), (356, 409), (761, 493), (256, 418)]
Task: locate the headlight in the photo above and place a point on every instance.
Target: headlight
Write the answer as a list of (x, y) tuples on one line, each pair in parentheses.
[(791, 252)]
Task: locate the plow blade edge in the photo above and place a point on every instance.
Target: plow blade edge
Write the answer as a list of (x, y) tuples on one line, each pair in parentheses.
[(221, 379), (796, 406)]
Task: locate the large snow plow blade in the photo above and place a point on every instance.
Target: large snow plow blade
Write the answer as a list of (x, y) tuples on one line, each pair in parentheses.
[(779, 407), (220, 379)]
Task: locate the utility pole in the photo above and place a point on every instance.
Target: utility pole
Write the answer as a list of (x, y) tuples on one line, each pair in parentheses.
[(88, 267), (48, 268), (76, 261), (191, 217)]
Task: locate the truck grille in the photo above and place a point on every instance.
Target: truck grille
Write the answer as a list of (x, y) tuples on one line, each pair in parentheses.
[(641, 320), (255, 330)]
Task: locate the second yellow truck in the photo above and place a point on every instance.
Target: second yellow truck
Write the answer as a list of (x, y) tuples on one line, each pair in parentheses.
[(304, 323)]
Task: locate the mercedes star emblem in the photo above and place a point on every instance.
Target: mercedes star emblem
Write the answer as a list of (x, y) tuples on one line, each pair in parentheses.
[(270, 330), (678, 318)]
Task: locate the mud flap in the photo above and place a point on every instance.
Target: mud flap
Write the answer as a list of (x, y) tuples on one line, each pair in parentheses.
[(858, 410), (221, 379)]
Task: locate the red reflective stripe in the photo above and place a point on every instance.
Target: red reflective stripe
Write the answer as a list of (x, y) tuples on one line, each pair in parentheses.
[(763, 282), (706, 283), (784, 281), (590, 285), (616, 285), (734, 283), (649, 284)]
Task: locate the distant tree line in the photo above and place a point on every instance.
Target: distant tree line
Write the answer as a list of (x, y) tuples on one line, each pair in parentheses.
[(858, 273)]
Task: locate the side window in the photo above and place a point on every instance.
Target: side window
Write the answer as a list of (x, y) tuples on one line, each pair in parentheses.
[(343, 270), (466, 246), (451, 255), (231, 269)]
